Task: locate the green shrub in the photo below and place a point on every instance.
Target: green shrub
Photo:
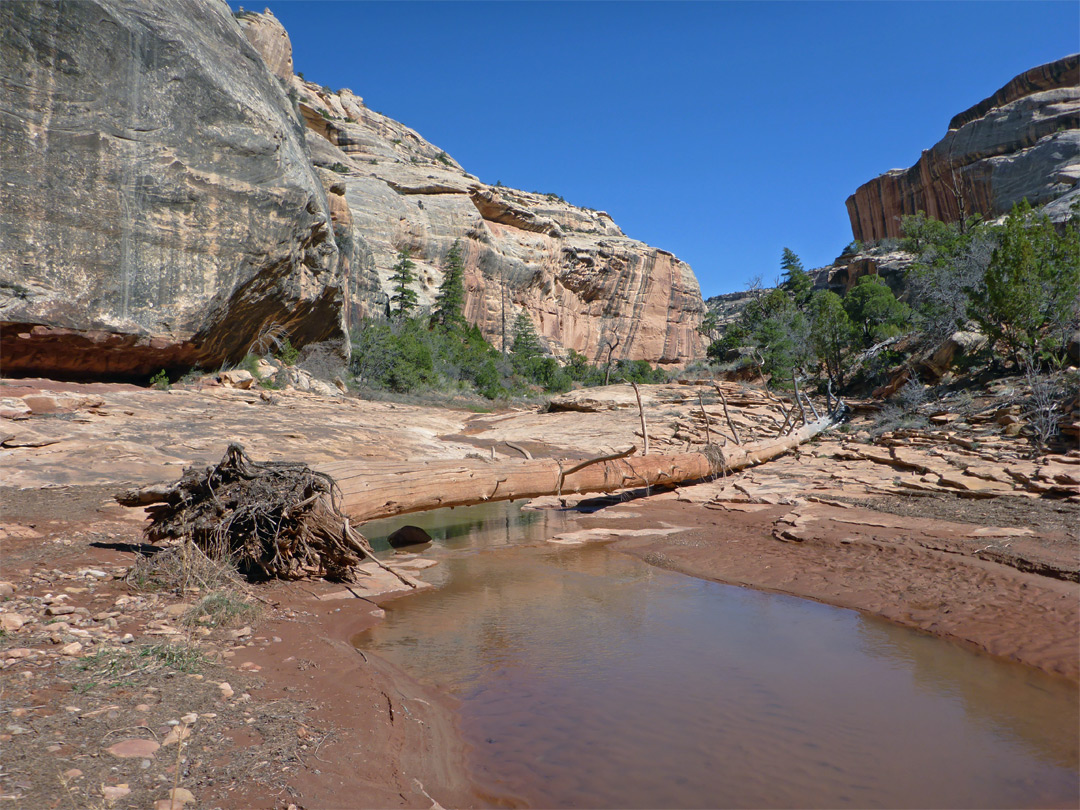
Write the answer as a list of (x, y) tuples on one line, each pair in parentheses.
[(160, 380), (287, 353)]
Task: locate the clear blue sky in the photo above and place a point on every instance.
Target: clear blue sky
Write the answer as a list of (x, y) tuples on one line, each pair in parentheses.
[(721, 131)]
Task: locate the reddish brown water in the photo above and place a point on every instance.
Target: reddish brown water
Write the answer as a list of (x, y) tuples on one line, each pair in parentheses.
[(589, 679)]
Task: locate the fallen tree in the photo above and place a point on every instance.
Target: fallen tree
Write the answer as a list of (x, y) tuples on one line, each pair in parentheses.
[(371, 490), (287, 520)]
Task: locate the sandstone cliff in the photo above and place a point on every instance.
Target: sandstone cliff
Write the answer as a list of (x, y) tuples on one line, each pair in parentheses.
[(1023, 141), (582, 280), (159, 208)]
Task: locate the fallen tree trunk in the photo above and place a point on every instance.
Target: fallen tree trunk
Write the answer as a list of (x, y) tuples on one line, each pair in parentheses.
[(286, 520), (370, 490)]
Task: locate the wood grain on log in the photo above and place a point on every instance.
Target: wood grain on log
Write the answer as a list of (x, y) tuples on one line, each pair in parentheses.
[(370, 490)]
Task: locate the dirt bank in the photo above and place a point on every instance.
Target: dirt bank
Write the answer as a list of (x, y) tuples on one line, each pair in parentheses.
[(302, 719)]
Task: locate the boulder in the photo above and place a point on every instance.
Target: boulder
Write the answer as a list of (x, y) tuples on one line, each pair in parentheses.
[(237, 378), (159, 208), (408, 536), (1072, 348), (958, 345)]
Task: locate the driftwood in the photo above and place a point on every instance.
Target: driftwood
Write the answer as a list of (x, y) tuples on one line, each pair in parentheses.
[(371, 490), (287, 520), (274, 519)]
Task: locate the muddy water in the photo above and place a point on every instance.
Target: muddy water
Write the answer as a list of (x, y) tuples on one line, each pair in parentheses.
[(589, 679)]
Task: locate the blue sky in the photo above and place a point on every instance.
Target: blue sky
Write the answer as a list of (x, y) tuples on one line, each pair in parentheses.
[(721, 131)]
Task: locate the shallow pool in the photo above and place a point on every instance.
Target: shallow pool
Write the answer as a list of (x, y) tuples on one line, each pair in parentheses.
[(590, 679)]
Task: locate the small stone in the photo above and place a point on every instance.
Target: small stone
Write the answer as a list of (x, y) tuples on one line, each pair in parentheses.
[(12, 621), (142, 707), (176, 735), (127, 638), (238, 634), (19, 652), (59, 610), (114, 793), (72, 709), (74, 648), (177, 610), (182, 795), (7, 589), (54, 748), (129, 749), (189, 718), (72, 773), (226, 690)]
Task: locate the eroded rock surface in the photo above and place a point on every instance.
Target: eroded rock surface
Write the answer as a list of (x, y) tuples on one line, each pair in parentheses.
[(583, 281), (1023, 141), (159, 207)]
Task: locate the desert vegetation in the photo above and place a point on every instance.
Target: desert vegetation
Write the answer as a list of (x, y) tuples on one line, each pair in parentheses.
[(997, 296)]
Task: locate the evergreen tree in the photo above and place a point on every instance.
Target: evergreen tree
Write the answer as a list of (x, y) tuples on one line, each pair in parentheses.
[(875, 311), (831, 332), (526, 346), (1029, 300), (450, 300), (796, 280), (404, 297)]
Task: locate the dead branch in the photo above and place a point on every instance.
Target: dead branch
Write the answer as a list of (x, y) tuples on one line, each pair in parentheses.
[(798, 398), (519, 448), (705, 416), (727, 415), (641, 413)]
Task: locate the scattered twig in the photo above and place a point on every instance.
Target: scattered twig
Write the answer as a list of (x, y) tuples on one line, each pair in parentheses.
[(519, 448)]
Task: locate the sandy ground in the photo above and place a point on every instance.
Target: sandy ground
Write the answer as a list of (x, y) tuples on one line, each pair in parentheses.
[(965, 538)]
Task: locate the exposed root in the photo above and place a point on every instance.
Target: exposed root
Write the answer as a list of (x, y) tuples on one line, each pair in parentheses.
[(275, 519)]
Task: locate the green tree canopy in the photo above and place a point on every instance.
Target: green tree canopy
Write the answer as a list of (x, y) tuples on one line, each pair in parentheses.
[(796, 281), (450, 300), (875, 311), (403, 301), (526, 345), (831, 332), (1029, 299)]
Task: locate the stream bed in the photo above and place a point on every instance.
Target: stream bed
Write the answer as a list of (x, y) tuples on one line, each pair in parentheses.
[(587, 678)]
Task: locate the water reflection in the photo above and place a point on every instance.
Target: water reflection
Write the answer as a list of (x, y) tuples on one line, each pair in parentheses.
[(591, 680)]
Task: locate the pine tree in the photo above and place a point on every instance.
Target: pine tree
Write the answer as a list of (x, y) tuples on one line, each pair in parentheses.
[(404, 297), (450, 300), (796, 280), (526, 346), (832, 333)]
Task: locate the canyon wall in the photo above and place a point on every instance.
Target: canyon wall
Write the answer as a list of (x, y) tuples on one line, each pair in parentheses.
[(1021, 142), (581, 279), (159, 208), (172, 191)]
